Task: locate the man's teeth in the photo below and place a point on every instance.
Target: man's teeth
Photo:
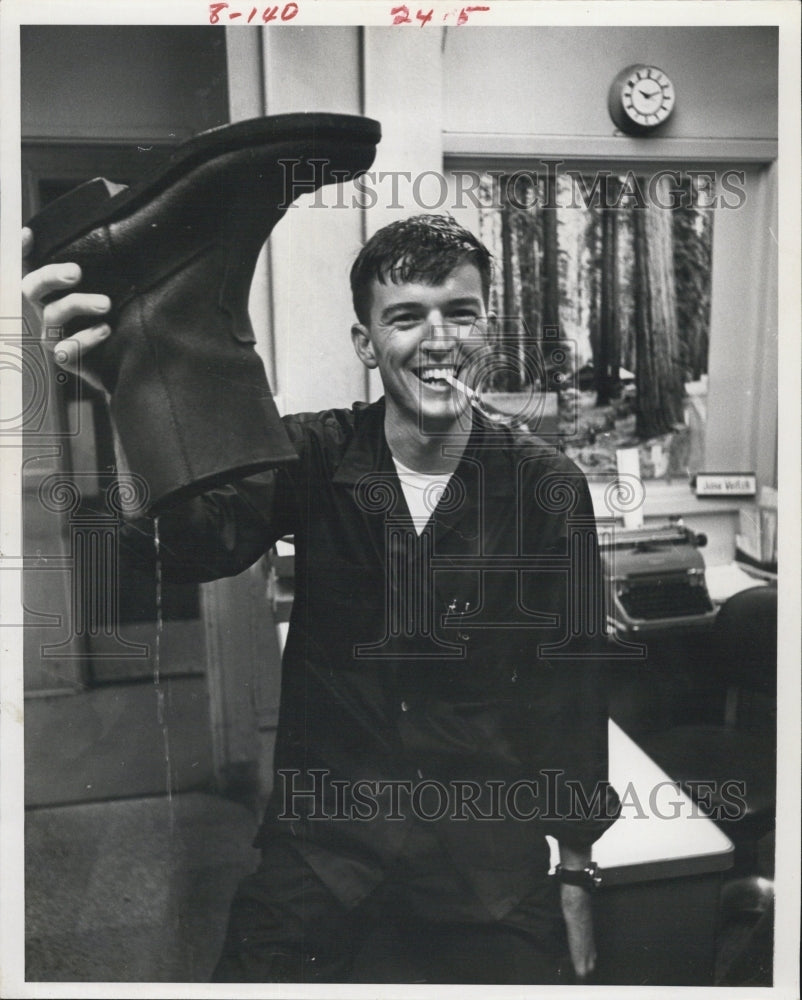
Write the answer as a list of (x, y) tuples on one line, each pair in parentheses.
[(437, 374)]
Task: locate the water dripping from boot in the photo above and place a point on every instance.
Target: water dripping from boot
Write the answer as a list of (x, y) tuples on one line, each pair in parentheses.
[(157, 683)]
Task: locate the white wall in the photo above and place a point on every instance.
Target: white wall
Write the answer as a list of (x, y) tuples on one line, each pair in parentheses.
[(554, 81), (306, 69), (743, 356)]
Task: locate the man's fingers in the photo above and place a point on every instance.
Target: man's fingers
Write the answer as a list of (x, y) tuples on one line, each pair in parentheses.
[(75, 305), (43, 281), (67, 353)]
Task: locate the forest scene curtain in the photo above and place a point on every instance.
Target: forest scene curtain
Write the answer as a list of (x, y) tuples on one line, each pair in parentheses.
[(609, 288)]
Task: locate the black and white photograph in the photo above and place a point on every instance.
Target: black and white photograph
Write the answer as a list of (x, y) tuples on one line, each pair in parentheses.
[(400, 498)]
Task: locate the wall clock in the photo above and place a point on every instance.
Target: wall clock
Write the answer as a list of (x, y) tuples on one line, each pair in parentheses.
[(641, 98)]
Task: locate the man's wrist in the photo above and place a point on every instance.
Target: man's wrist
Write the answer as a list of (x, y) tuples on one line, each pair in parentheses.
[(588, 877)]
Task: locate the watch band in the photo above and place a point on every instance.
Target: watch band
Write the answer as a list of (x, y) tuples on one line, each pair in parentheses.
[(588, 877)]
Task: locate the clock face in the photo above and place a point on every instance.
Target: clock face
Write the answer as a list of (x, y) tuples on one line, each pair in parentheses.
[(641, 98)]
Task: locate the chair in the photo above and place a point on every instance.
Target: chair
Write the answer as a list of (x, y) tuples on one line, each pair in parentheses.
[(742, 746)]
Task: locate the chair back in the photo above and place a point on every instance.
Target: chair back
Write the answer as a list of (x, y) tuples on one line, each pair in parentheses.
[(746, 640)]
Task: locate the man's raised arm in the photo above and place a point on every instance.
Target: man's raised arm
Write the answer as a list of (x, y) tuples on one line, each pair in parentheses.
[(218, 534)]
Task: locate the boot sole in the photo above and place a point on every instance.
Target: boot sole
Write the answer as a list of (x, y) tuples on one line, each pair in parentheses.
[(97, 202)]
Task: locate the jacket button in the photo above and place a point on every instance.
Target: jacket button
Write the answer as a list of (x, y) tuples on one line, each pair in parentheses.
[(404, 706)]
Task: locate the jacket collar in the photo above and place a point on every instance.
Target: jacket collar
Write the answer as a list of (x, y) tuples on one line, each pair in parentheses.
[(489, 446), (367, 450)]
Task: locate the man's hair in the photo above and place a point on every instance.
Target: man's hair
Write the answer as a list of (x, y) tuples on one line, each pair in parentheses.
[(424, 248)]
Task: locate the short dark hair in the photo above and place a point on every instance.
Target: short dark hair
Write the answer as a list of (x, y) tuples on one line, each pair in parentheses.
[(423, 248)]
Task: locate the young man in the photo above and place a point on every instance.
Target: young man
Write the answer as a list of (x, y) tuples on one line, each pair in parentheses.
[(442, 707)]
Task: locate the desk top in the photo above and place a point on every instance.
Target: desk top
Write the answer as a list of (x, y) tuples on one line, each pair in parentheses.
[(661, 832), (724, 581)]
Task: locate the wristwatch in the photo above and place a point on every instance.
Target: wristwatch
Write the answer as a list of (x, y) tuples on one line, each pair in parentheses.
[(588, 877)]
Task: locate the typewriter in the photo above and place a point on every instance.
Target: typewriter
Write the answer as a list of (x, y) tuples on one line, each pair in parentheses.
[(655, 579)]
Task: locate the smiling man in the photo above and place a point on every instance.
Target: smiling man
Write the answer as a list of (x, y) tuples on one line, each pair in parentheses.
[(417, 319), (441, 711)]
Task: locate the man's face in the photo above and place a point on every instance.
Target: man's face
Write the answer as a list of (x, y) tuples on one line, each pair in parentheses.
[(417, 333)]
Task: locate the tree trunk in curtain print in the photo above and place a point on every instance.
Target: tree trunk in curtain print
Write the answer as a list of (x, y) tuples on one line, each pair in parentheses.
[(692, 249), (508, 379), (606, 371), (526, 236), (658, 373), (557, 353), (550, 282), (593, 278)]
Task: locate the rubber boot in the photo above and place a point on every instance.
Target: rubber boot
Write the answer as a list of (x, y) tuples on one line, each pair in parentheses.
[(175, 254)]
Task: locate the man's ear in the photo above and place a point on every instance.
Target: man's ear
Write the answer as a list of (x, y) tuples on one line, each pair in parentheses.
[(362, 345)]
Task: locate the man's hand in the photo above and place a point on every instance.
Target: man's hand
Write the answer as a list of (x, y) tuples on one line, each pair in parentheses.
[(63, 278), (578, 916)]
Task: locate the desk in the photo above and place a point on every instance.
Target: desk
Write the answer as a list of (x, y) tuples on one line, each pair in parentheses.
[(657, 908)]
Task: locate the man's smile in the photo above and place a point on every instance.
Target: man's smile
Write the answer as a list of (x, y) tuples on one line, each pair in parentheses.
[(435, 375)]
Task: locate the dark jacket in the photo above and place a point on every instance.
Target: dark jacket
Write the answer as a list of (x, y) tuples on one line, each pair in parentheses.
[(467, 662)]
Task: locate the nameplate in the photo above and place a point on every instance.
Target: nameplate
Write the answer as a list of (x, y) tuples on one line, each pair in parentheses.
[(725, 484)]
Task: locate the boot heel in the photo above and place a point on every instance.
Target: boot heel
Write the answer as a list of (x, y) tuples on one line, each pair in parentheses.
[(58, 220)]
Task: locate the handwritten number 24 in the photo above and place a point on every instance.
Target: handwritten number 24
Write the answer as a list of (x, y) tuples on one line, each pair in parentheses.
[(400, 15)]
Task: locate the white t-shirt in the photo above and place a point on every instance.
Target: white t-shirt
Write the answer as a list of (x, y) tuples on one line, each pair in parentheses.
[(422, 491)]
